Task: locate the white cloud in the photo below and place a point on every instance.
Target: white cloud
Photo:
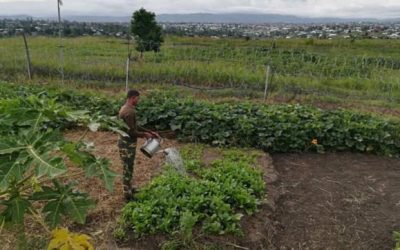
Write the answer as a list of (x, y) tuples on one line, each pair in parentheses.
[(338, 8), (13, 1)]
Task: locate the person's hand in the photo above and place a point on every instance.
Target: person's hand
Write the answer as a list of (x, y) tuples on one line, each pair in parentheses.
[(148, 135), (155, 134)]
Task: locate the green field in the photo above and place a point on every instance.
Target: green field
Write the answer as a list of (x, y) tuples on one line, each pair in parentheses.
[(41, 170), (336, 70), (216, 203)]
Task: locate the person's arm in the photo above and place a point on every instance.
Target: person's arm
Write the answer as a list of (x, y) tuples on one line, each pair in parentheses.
[(142, 129)]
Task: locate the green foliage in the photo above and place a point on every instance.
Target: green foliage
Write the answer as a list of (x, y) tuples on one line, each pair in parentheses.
[(147, 32), (93, 166), (274, 128), (329, 68), (211, 199), (177, 204), (16, 207), (191, 155), (397, 239), (63, 200), (32, 154)]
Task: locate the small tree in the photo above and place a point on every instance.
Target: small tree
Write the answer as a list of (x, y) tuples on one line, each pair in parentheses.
[(147, 32)]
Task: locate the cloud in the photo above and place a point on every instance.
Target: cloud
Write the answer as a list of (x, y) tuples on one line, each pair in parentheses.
[(314, 8), (13, 1)]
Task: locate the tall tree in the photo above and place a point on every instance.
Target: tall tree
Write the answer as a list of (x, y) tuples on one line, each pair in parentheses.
[(147, 32)]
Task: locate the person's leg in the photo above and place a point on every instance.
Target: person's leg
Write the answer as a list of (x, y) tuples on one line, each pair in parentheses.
[(127, 151)]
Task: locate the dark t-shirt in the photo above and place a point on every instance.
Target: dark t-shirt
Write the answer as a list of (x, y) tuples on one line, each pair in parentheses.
[(128, 114)]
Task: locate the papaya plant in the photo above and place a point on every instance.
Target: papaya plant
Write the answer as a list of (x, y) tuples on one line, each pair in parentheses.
[(34, 177)]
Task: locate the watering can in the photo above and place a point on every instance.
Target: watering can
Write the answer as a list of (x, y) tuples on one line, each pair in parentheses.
[(151, 147), (172, 157)]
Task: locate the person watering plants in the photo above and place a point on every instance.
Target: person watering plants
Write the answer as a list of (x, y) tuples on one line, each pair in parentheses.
[(127, 144)]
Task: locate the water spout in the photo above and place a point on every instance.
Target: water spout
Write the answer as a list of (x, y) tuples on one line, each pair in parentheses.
[(173, 158)]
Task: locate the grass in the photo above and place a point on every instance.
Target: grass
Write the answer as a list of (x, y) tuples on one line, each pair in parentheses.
[(366, 70)]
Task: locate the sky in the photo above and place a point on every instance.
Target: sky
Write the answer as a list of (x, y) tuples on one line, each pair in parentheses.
[(310, 8)]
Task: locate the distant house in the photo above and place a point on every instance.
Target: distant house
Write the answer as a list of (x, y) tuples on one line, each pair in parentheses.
[(302, 34)]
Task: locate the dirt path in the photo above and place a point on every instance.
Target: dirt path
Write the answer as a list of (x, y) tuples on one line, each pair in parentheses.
[(337, 201), (102, 220)]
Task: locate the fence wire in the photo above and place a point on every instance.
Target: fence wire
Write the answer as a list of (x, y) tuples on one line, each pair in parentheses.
[(205, 67)]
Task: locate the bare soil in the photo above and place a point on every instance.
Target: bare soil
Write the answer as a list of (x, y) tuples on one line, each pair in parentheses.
[(330, 201), (336, 201), (102, 221)]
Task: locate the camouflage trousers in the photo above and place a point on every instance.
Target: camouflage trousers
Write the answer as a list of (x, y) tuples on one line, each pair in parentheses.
[(127, 152)]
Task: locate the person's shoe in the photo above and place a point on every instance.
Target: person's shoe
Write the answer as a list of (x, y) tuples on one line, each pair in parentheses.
[(128, 195)]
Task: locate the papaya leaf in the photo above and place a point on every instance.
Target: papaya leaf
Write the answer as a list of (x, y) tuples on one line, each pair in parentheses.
[(15, 210), (77, 207), (52, 167), (63, 239), (8, 146), (63, 201), (78, 157), (54, 211), (93, 166), (101, 169), (12, 167)]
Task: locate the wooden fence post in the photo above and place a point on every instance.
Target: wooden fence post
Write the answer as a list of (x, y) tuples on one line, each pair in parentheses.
[(28, 58), (267, 77), (127, 74), (60, 31), (128, 62)]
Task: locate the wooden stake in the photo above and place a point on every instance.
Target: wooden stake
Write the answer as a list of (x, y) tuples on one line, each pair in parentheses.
[(128, 60), (268, 73), (59, 3), (127, 74), (28, 58)]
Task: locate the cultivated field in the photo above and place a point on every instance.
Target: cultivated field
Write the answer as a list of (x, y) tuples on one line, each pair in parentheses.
[(315, 166), (331, 70)]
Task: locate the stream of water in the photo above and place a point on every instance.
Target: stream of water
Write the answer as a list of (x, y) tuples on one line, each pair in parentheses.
[(173, 158)]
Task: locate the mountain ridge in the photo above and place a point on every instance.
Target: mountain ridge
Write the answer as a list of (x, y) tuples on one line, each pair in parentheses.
[(213, 18)]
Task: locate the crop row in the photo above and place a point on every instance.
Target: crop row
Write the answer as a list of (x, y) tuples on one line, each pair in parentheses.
[(274, 128), (212, 64), (210, 197)]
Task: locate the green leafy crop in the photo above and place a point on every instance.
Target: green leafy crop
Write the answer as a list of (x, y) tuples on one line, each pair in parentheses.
[(213, 200), (274, 128)]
